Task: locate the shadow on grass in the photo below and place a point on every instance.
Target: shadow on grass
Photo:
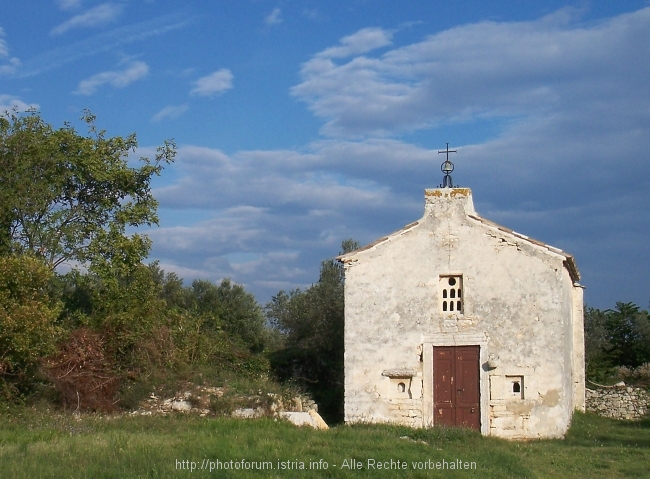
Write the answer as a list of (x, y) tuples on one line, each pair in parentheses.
[(589, 429), (641, 424)]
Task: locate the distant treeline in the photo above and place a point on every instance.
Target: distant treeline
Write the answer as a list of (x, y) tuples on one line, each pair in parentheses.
[(84, 341), (88, 334)]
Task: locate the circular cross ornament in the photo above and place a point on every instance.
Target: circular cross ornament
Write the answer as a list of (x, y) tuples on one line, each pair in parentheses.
[(447, 167)]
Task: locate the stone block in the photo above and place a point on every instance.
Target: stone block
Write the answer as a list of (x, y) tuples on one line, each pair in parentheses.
[(181, 406), (299, 418)]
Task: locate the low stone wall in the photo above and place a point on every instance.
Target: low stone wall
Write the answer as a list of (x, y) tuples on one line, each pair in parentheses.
[(622, 402)]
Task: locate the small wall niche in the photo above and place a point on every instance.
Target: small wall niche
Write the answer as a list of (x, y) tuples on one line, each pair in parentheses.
[(401, 380), (515, 385), (401, 388)]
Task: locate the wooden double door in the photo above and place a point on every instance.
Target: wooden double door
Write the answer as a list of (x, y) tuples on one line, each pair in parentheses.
[(456, 392)]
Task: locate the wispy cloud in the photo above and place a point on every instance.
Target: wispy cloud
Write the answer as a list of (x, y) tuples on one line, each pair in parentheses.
[(365, 40), (212, 84), (117, 79), (98, 16), (12, 63), (103, 42), (312, 14), (274, 17), (9, 103), (69, 4), (4, 49), (170, 112), (10, 67)]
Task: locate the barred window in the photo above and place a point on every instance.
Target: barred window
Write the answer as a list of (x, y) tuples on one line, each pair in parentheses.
[(451, 297)]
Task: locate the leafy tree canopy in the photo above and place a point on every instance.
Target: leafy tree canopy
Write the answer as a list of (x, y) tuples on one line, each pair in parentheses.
[(229, 307), (70, 197), (225, 307)]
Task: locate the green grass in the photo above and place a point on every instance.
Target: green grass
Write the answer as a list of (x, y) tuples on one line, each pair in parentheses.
[(38, 444)]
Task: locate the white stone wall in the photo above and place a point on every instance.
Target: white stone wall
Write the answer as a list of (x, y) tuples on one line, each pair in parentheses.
[(518, 305)]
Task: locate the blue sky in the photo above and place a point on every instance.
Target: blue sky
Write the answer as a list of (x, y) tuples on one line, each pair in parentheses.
[(300, 124)]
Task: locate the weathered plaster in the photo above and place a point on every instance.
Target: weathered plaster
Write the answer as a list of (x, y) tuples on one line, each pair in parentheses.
[(520, 305)]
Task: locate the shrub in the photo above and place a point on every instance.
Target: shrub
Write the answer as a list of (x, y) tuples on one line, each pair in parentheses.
[(638, 376), (28, 329)]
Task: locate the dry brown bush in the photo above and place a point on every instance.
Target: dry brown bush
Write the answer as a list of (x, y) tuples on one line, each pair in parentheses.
[(639, 376), (82, 373)]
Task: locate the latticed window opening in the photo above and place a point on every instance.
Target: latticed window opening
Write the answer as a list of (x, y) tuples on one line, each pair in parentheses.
[(452, 293)]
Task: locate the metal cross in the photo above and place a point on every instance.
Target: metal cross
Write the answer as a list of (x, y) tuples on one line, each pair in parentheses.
[(447, 151), (447, 167)]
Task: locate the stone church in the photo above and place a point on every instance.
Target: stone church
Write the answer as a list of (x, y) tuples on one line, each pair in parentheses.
[(456, 321)]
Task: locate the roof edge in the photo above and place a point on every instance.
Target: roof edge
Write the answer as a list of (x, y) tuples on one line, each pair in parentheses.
[(569, 261), (346, 258)]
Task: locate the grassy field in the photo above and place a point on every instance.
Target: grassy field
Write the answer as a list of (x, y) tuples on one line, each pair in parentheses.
[(36, 444)]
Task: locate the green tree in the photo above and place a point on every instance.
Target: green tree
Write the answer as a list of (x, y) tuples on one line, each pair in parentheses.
[(628, 334), (70, 197), (176, 296), (312, 322), (614, 338), (125, 309), (597, 363), (229, 307)]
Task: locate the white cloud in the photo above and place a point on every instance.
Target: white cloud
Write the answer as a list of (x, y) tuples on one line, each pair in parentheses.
[(216, 82), (117, 79), (274, 17), (305, 182), (170, 112), (481, 70), (9, 103), (274, 178), (98, 16)]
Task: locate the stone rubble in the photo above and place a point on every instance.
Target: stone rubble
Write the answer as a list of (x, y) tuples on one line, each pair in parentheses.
[(619, 402), (297, 410)]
